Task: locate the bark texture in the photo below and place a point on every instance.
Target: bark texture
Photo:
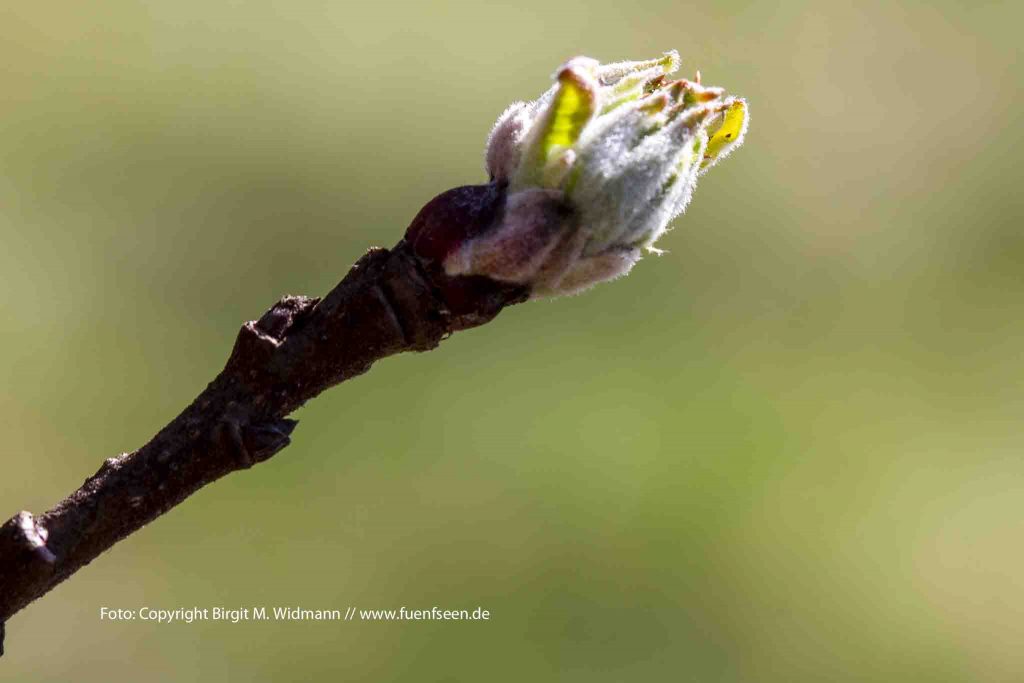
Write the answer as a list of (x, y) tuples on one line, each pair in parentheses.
[(390, 301)]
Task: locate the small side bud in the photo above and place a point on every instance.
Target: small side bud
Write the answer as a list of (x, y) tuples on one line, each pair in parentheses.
[(505, 140)]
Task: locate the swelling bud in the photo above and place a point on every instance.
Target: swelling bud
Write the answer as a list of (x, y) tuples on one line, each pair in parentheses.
[(584, 179)]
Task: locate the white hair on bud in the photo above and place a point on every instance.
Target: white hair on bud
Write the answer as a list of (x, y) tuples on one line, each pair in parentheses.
[(505, 141), (587, 272)]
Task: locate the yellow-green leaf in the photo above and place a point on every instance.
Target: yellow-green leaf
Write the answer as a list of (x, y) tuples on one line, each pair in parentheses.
[(728, 133), (571, 109)]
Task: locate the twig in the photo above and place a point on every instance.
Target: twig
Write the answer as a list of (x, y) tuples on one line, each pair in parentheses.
[(597, 167), (390, 301)]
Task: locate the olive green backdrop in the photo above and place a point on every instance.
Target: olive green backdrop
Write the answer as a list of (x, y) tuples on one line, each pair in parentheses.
[(788, 450)]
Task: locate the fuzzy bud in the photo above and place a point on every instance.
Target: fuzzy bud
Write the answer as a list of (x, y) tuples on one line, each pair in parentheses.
[(592, 172)]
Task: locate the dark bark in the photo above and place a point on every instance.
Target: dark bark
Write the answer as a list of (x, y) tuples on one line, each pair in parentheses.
[(390, 301)]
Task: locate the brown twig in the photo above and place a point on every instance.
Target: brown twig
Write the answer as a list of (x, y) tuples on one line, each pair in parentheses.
[(390, 301)]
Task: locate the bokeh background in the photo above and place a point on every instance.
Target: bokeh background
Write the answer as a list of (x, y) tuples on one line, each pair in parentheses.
[(788, 450)]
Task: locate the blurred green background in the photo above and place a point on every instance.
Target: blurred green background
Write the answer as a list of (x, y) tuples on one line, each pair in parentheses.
[(788, 450)]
